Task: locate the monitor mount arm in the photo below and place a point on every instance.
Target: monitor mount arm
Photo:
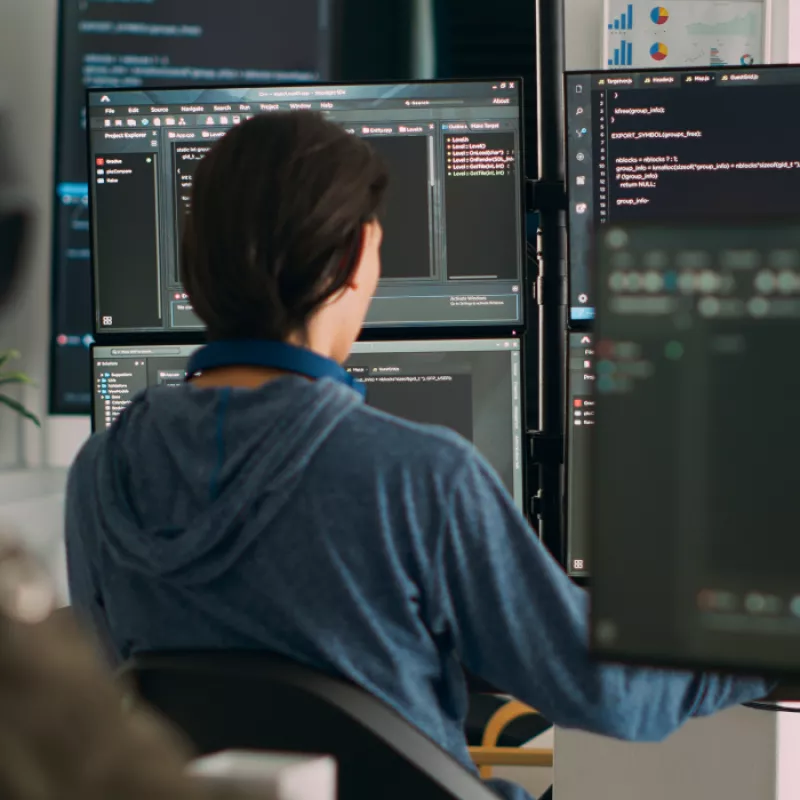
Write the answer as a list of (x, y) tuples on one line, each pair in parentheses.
[(546, 447), (547, 197)]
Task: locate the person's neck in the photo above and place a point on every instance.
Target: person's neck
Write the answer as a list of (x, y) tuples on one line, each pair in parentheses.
[(250, 377), (239, 377)]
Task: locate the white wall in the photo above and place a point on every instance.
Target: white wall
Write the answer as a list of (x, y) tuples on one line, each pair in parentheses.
[(788, 757), (786, 17), (779, 41), (27, 31), (792, 25), (31, 502), (32, 509), (27, 88)]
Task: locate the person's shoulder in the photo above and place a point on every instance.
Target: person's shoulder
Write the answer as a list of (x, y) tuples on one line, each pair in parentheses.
[(401, 440), (87, 456), (90, 448), (130, 420)]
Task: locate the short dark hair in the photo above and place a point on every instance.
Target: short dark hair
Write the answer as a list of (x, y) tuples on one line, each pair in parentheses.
[(275, 226)]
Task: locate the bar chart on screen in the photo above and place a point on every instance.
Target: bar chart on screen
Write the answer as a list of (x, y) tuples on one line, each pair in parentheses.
[(623, 55), (624, 21), (683, 33)]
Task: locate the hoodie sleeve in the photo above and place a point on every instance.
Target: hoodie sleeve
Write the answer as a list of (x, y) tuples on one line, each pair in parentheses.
[(519, 622), (84, 588)]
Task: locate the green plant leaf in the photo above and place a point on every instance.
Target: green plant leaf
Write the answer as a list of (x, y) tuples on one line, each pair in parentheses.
[(8, 355), (15, 405), (15, 377)]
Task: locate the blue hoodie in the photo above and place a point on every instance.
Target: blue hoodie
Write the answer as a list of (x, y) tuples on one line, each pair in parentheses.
[(296, 519)]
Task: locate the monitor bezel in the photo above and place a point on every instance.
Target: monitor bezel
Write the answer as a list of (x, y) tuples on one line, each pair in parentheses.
[(53, 401), (567, 461), (527, 279)]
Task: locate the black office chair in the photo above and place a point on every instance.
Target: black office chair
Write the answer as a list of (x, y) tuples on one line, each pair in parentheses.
[(240, 700)]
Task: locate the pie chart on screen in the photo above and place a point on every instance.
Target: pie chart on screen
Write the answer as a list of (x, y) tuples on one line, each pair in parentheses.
[(658, 52), (747, 60), (659, 15)]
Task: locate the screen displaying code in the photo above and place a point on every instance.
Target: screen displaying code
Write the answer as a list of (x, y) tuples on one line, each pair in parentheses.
[(676, 144), (127, 44)]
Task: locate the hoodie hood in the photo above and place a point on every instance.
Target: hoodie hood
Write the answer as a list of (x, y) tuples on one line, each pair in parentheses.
[(187, 477)]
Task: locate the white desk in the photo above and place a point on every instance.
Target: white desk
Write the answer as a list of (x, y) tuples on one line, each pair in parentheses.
[(732, 756), (32, 509)]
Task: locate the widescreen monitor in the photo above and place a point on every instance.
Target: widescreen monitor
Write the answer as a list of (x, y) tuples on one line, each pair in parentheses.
[(126, 45), (692, 470), (649, 145), (472, 386), (453, 247)]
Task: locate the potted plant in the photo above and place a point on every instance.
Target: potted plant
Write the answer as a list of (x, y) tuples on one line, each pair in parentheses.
[(9, 378)]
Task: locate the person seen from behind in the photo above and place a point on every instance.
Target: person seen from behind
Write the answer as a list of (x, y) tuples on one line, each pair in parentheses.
[(264, 505)]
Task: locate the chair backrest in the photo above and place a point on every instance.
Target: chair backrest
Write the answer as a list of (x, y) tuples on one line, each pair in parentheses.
[(245, 701)]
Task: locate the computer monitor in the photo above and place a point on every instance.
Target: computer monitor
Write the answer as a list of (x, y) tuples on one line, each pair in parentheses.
[(649, 145), (473, 386), (453, 247), (580, 419), (693, 507), (154, 43)]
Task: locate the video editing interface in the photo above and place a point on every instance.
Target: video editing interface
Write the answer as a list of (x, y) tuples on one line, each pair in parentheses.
[(675, 144), (452, 252), (124, 44), (473, 386), (693, 496), (580, 419)]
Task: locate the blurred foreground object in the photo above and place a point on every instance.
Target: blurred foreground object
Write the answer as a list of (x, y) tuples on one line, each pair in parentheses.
[(269, 776), (14, 221), (64, 733), (26, 592), (694, 452), (11, 377), (12, 231)]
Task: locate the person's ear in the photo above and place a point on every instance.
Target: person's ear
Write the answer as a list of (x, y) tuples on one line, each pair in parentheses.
[(373, 232), (359, 250)]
